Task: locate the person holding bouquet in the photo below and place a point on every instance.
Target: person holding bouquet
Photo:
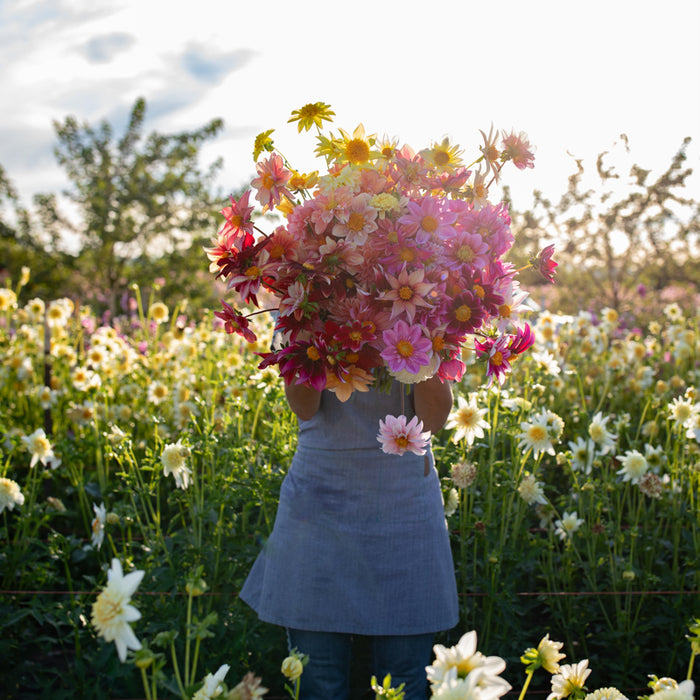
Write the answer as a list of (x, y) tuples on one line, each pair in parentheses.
[(384, 270)]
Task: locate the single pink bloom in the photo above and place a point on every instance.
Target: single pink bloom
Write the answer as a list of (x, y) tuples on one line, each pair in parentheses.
[(544, 264), (397, 437), (357, 221), (248, 278), (517, 148), (496, 353), (468, 249), (429, 220), (523, 339), (235, 322), (271, 181), (238, 216), (408, 291), (406, 348)]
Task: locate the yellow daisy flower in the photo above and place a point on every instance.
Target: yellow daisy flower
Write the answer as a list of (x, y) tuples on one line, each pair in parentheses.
[(263, 142), (357, 149), (310, 114), (443, 156)]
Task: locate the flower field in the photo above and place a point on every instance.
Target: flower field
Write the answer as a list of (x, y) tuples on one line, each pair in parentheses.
[(571, 493)]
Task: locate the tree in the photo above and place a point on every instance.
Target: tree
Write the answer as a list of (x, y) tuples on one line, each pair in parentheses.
[(620, 238), (138, 197)]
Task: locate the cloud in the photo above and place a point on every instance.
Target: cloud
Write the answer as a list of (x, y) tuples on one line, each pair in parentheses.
[(208, 67), (26, 147), (102, 49)]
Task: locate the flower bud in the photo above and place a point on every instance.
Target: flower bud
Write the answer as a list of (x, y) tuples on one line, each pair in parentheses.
[(292, 667), (196, 588)]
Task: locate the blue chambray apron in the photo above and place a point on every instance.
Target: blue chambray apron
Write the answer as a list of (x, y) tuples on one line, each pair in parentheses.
[(360, 542)]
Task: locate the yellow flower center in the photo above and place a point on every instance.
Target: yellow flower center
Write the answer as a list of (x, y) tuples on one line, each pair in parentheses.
[(401, 442), (357, 151), (465, 416), (312, 353), (356, 221), (479, 291), (497, 358), (438, 343), (465, 254), (504, 311), (237, 220), (441, 158), (404, 348), (537, 433), (491, 153), (405, 293), (276, 251), (463, 313), (429, 224), (407, 255), (252, 271), (268, 182)]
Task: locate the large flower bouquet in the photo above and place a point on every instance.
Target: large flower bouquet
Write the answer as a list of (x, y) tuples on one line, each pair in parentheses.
[(385, 266)]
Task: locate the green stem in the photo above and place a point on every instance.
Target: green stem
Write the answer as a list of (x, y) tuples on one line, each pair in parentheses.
[(187, 640), (146, 686), (195, 659), (176, 668), (690, 666), (528, 678)]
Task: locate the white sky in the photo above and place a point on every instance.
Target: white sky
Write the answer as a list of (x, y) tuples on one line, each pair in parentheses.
[(573, 76)]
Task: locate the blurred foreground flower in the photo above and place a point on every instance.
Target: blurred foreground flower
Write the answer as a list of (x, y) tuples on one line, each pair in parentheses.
[(112, 611)]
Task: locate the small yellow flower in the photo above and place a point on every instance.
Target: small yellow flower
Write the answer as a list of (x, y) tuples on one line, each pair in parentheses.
[(263, 142), (302, 181), (310, 114), (443, 156)]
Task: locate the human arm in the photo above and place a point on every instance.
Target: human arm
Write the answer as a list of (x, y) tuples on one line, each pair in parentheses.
[(432, 402), (303, 400)]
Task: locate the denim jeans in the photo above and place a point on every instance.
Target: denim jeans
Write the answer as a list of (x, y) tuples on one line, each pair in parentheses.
[(327, 674)]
